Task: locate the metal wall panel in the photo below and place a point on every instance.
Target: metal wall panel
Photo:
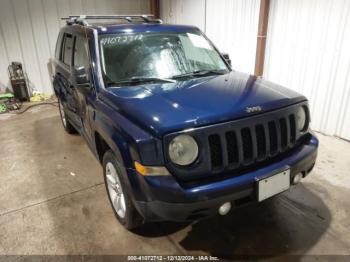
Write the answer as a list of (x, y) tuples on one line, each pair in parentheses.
[(29, 28), (231, 24), (187, 12), (307, 47), (308, 50)]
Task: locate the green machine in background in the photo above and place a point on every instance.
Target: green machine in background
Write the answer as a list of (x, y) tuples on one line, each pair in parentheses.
[(18, 80), (5, 99), (3, 108)]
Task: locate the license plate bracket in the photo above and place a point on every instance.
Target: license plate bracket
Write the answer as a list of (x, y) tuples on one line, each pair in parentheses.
[(273, 185)]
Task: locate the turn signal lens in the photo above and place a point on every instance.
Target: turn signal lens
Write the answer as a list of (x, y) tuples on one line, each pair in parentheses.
[(140, 168), (151, 170)]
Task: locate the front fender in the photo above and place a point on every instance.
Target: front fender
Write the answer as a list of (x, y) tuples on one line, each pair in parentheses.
[(120, 133), (124, 138)]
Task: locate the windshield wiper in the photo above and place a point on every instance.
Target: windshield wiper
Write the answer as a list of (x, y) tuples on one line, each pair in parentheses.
[(201, 73), (137, 80)]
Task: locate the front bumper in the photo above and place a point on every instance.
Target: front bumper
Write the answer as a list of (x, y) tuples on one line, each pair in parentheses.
[(164, 198)]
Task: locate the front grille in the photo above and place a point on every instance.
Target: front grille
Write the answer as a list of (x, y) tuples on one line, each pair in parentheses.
[(247, 145), (233, 147)]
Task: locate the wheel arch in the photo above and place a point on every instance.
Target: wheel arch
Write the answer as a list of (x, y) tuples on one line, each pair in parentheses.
[(115, 143)]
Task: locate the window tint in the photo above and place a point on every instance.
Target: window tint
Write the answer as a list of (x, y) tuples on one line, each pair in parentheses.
[(68, 46), (81, 58)]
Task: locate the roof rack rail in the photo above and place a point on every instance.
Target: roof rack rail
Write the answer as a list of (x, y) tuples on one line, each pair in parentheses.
[(81, 19)]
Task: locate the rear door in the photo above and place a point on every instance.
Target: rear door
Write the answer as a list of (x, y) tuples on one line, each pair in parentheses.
[(63, 80)]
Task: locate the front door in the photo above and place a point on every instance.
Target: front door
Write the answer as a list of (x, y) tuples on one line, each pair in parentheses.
[(83, 87)]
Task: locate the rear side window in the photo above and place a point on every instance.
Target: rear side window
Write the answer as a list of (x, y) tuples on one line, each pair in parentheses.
[(67, 50)]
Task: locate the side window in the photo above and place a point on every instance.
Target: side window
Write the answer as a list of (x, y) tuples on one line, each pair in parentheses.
[(68, 48), (81, 58), (58, 46)]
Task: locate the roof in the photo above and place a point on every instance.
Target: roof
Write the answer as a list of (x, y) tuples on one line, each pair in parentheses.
[(126, 24), (140, 27)]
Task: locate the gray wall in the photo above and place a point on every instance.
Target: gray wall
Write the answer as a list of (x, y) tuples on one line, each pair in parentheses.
[(29, 28), (231, 24), (308, 50), (308, 47)]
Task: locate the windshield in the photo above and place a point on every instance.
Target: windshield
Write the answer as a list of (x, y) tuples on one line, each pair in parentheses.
[(157, 56)]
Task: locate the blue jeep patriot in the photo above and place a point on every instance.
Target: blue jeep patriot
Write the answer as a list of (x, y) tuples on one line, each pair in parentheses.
[(180, 135)]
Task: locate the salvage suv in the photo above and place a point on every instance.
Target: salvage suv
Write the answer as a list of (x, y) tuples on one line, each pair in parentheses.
[(180, 135)]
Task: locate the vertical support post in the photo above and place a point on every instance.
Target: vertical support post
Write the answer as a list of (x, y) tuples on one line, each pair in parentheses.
[(261, 41), (155, 8)]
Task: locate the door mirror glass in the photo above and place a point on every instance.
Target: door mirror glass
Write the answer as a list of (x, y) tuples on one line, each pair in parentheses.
[(80, 76), (227, 58)]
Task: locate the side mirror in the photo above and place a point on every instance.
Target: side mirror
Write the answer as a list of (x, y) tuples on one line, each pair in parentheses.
[(80, 76), (227, 58)]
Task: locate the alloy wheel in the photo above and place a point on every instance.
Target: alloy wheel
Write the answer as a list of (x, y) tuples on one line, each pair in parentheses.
[(115, 190)]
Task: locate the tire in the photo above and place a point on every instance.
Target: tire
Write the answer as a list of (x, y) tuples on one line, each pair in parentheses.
[(65, 122), (118, 192)]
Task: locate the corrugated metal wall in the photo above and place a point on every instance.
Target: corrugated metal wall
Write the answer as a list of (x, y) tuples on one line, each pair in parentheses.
[(231, 24), (29, 28), (308, 47), (191, 12), (308, 50)]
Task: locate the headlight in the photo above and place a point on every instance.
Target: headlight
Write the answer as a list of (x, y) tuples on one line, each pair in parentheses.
[(301, 119), (183, 150)]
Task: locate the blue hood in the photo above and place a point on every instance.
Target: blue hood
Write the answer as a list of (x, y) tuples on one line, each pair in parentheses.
[(169, 107)]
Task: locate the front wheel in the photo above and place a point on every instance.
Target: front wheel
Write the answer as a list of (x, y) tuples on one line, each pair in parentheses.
[(118, 193), (66, 124)]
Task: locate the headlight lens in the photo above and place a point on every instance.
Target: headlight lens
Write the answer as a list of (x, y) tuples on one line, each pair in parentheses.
[(301, 119), (183, 150)]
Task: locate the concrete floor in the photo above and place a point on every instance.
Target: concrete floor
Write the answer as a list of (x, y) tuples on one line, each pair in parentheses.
[(52, 201)]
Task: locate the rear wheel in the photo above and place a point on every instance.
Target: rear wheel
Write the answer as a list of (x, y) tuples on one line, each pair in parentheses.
[(118, 193), (66, 124)]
